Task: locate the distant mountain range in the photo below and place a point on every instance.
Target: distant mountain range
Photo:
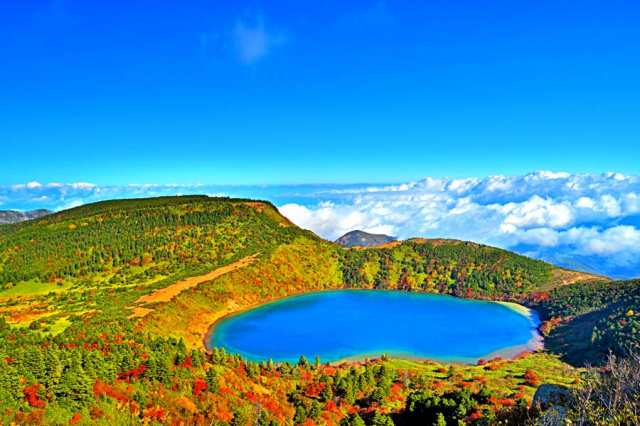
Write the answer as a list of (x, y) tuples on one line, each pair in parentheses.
[(13, 216), (569, 257), (363, 239)]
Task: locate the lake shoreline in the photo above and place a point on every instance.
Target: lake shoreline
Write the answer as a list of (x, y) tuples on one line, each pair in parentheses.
[(533, 345)]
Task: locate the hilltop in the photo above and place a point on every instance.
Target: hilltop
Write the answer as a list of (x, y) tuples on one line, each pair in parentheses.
[(363, 239), (122, 293)]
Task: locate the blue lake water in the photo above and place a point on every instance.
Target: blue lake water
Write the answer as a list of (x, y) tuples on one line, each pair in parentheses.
[(345, 324)]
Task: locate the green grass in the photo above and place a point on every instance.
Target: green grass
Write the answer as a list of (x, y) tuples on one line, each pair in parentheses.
[(507, 377), (58, 326), (33, 287)]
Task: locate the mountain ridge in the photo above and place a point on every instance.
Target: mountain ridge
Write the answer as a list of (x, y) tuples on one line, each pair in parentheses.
[(15, 216), (358, 238)]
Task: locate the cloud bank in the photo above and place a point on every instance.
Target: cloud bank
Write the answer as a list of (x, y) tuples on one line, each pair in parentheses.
[(587, 221), (583, 221)]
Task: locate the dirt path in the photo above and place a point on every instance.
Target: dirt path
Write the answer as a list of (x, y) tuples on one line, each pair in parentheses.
[(561, 277), (166, 294)]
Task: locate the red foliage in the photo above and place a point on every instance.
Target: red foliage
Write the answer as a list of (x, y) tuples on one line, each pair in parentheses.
[(156, 413), (9, 360), (539, 296), (507, 402), (313, 390), (199, 386), (31, 396), (75, 419), (328, 370), (135, 373), (251, 397), (531, 378), (225, 390), (90, 346), (96, 413), (102, 389), (493, 365), (331, 406), (187, 363), (476, 415), (35, 417), (480, 379)]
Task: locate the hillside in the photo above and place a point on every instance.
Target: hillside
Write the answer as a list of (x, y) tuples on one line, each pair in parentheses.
[(363, 239), (587, 321), (105, 308), (14, 216)]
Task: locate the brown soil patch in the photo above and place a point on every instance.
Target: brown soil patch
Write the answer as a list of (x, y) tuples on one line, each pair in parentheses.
[(257, 205), (565, 277), (166, 294), (269, 211), (390, 244), (200, 324), (561, 277), (23, 314), (140, 312)]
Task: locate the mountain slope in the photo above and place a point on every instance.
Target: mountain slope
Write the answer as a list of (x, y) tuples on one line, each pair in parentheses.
[(120, 239), (141, 244), (14, 216), (587, 321), (104, 308), (363, 239)]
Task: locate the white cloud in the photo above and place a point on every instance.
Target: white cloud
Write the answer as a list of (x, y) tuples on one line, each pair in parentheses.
[(578, 213), (253, 41), (536, 211), (612, 241)]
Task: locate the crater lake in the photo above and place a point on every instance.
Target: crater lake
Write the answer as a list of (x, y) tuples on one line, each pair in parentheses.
[(355, 324)]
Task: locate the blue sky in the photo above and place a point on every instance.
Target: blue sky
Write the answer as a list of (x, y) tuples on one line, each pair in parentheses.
[(308, 92)]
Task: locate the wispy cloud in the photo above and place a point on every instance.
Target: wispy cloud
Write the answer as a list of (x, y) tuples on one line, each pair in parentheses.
[(253, 41)]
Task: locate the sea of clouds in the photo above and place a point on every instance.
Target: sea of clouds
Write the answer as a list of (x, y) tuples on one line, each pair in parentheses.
[(584, 221)]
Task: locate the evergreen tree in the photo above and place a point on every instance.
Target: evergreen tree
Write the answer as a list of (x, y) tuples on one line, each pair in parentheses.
[(75, 388), (381, 420)]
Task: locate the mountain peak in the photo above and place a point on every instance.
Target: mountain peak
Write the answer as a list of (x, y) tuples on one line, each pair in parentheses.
[(359, 238)]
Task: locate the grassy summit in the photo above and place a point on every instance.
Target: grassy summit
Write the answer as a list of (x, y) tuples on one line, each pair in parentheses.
[(105, 307)]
